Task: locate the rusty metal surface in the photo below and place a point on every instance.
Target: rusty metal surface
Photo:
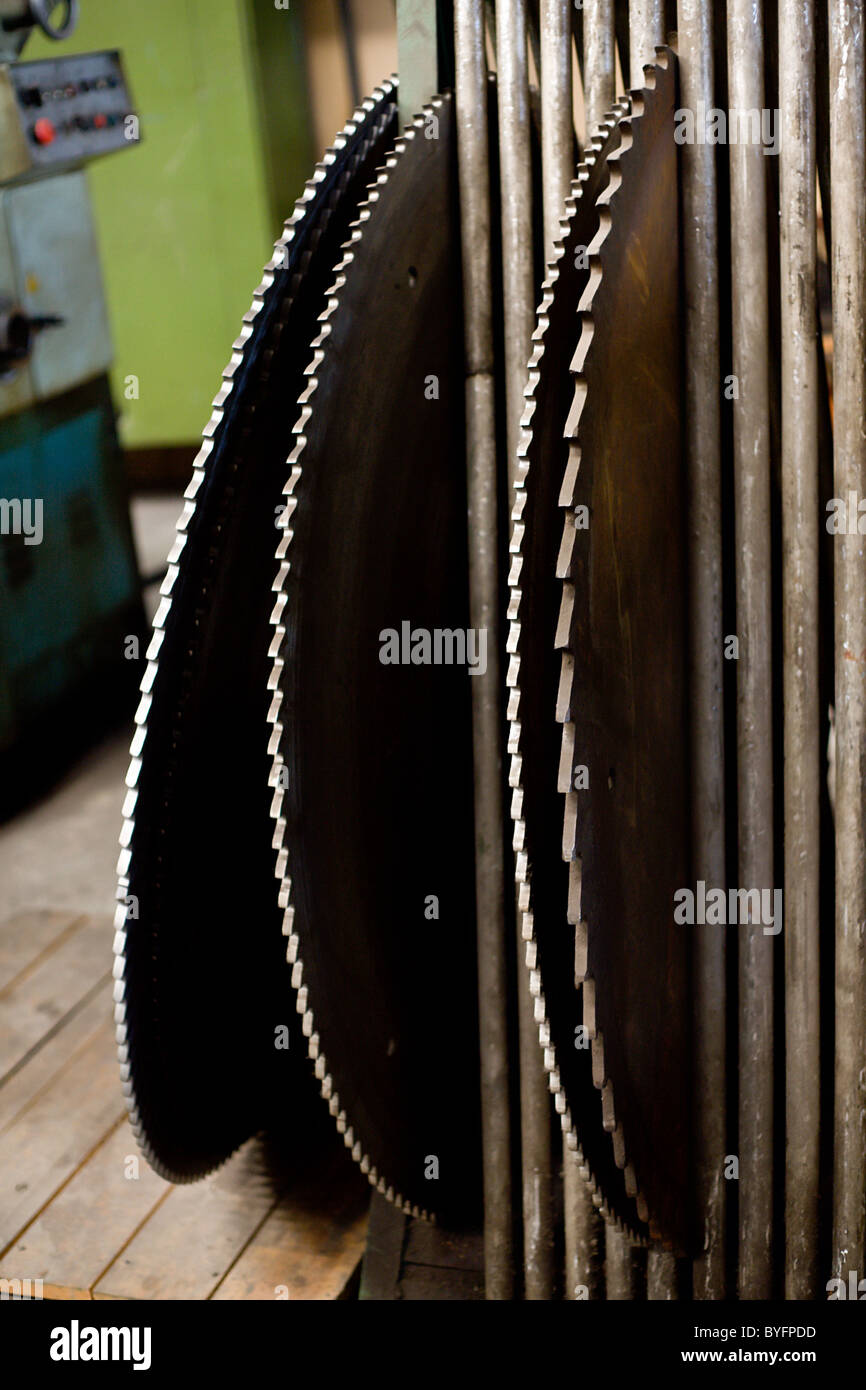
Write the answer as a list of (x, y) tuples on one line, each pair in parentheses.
[(800, 538), (622, 696), (751, 406), (646, 29), (482, 476), (702, 371), (598, 62), (848, 180), (517, 222)]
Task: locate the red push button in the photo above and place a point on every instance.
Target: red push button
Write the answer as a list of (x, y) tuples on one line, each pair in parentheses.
[(43, 131), (100, 121)]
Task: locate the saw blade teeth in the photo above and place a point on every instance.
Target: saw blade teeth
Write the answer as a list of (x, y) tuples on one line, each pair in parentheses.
[(566, 682), (599, 1074), (517, 839), (569, 477), (148, 678), (513, 637), (513, 701), (589, 1022), (162, 613), (581, 952), (527, 926), (569, 828), (515, 771), (517, 804), (618, 1146), (566, 759), (306, 405), (143, 709), (575, 892), (155, 645), (566, 548), (608, 1117), (514, 572), (177, 548), (513, 674), (133, 772), (566, 610)]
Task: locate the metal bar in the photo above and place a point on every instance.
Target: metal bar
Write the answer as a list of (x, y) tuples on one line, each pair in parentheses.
[(474, 177), (703, 435), (800, 532), (661, 1277), (557, 130), (515, 165), (621, 1273), (847, 183), (347, 24), (416, 56), (646, 28), (750, 322), (598, 61)]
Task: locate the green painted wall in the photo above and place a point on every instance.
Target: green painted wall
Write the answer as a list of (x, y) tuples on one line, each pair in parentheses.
[(187, 219)]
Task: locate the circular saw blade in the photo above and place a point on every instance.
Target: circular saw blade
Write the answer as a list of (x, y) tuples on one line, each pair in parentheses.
[(622, 698), (200, 995), (372, 741), (533, 681)]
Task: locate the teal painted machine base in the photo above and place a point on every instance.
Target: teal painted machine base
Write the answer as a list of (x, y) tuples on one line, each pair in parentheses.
[(69, 588)]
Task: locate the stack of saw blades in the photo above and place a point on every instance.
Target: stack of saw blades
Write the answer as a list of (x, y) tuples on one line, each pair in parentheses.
[(273, 737), (297, 875)]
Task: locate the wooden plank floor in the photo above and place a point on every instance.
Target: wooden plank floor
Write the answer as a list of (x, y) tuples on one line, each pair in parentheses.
[(83, 1213)]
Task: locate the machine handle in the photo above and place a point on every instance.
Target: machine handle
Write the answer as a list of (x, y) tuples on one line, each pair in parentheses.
[(41, 11)]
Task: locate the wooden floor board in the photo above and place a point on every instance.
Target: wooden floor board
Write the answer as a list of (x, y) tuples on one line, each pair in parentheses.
[(69, 1213), (184, 1249), (37, 1002), (78, 1235), (21, 1087), (310, 1245), (53, 1135), (26, 937)]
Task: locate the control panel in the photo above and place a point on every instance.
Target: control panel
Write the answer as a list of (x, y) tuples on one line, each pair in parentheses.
[(72, 109)]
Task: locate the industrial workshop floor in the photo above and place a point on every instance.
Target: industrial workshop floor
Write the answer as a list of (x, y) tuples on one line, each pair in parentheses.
[(78, 1210)]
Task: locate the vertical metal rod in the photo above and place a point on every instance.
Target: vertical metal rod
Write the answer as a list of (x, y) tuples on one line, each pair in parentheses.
[(557, 130), (598, 61), (703, 436), (416, 56), (620, 1272), (800, 533), (583, 1232), (751, 334), (646, 28), (474, 179), (847, 184), (515, 164), (661, 1277)]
